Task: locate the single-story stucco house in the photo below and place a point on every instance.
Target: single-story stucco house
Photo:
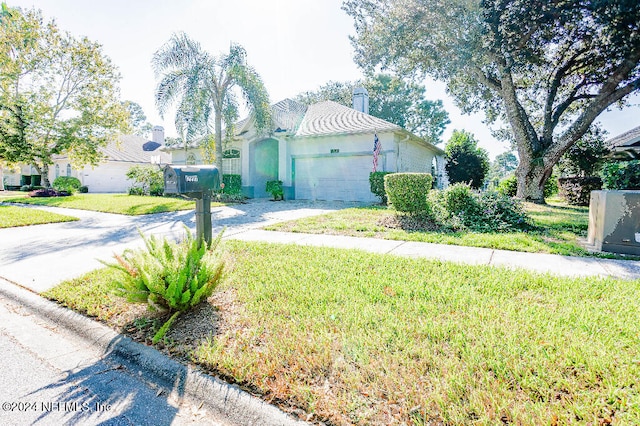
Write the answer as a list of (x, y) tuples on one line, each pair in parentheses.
[(323, 151), (110, 174)]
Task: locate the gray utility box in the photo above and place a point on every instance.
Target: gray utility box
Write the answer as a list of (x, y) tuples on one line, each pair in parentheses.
[(614, 221), (191, 181)]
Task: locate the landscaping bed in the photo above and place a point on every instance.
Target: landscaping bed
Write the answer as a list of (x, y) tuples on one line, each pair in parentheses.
[(347, 337), (558, 229)]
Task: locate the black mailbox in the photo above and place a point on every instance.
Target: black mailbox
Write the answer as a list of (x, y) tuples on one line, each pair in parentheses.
[(191, 181)]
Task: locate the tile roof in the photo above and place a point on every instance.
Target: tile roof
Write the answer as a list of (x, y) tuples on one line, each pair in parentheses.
[(134, 149), (330, 118), (627, 138), (287, 115)]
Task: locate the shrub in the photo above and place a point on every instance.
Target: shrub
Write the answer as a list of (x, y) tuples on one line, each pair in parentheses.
[(577, 190), (509, 186), (68, 184), (148, 178), (232, 184), (460, 208), (83, 189), (274, 187), (621, 175), (376, 183), (25, 188), (169, 276), (407, 192)]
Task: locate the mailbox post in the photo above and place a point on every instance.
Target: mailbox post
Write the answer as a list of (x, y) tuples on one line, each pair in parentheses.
[(197, 182)]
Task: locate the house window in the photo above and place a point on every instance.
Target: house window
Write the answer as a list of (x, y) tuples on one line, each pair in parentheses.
[(231, 162), (191, 159), (68, 169), (57, 170)]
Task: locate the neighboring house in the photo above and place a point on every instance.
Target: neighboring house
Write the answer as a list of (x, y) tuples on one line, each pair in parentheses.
[(626, 146), (321, 152), (110, 174)]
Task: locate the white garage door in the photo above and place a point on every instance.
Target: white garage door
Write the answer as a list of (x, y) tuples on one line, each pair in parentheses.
[(106, 179), (333, 178)]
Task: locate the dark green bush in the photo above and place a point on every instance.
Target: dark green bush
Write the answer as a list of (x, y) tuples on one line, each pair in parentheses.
[(376, 183), (460, 208), (407, 192), (621, 175), (68, 184), (274, 187), (83, 189), (232, 184), (577, 190)]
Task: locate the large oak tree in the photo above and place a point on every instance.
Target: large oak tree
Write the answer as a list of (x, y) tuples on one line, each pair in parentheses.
[(548, 68), (58, 94)]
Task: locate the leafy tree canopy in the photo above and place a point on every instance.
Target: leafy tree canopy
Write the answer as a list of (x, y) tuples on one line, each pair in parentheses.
[(502, 166), (586, 156), (138, 118), (547, 68), (58, 94), (466, 162), (392, 99)]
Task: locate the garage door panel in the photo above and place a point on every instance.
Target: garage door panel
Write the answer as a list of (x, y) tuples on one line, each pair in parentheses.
[(333, 178)]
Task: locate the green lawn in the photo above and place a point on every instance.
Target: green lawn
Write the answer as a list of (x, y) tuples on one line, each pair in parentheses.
[(361, 338), (114, 203), (560, 227), (11, 216)]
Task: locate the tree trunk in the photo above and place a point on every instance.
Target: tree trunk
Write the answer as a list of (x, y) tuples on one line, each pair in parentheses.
[(1, 178), (44, 175), (218, 142), (531, 181)]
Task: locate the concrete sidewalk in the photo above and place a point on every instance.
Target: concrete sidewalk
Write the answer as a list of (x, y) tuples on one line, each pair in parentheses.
[(544, 263)]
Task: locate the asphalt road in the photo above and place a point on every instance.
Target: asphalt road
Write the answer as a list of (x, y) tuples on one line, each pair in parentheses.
[(52, 377)]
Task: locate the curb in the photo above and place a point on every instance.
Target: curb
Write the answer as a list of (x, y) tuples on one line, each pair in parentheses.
[(228, 401)]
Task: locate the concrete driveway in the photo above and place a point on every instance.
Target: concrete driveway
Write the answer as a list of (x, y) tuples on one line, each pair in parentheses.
[(39, 257)]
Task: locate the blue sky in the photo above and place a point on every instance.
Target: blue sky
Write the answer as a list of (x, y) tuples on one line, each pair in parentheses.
[(295, 45)]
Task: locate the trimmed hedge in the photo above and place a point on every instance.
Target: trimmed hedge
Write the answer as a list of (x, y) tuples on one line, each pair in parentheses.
[(376, 183), (577, 190), (407, 192), (232, 184)]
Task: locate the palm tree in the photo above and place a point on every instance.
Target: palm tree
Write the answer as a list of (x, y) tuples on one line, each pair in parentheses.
[(203, 88)]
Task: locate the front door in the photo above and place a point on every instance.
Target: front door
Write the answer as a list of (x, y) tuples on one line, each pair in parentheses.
[(264, 165)]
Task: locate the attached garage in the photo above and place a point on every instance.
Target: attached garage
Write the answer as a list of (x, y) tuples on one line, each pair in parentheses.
[(338, 178)]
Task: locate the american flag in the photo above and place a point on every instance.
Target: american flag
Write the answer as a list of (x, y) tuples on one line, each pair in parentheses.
[(377, 146)]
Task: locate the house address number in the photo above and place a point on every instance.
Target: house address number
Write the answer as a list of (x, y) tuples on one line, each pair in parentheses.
[(191, 178)]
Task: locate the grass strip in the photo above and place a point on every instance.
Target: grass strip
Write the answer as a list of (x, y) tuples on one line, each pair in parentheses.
[(114, 203), (361, 338), (12, 216)]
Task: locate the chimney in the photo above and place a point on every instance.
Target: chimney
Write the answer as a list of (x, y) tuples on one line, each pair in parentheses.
[(157, 134), (361, 99)]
